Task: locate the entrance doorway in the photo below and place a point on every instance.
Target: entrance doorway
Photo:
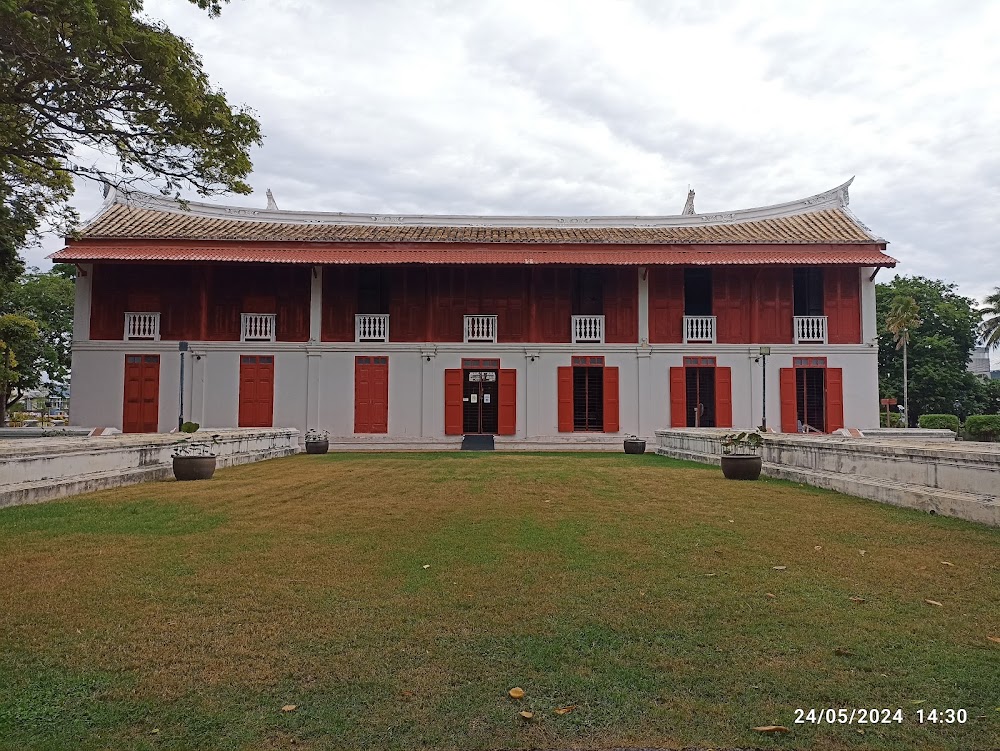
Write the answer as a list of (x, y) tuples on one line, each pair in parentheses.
[(701, 394), (588, 399), (256, 391), (141, 408), (371, 394), (812, 396), (810, 399), (700, 397), (480, 403)]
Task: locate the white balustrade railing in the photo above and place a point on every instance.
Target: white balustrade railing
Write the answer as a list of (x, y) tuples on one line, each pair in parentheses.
[(700, 329), (810, 329), (588, 329), (257, 327), (142, 326), (371, 328), (480, 328)]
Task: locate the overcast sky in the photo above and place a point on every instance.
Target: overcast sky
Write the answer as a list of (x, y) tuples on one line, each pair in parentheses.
[(550, 107)]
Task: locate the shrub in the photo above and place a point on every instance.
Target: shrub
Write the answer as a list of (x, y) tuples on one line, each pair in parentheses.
[(940, 422), (895, 420), (190, 427), (983, 427)]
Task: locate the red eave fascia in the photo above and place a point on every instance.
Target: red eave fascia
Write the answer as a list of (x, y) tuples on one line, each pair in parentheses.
[(360, 253)]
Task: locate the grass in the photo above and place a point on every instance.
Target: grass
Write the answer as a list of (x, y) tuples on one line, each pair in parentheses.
[(394, 599)]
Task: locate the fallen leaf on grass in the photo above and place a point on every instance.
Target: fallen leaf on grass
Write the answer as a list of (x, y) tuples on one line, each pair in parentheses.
[(862, 552), (779, 568), (289, 708), (858, 599), (565, 710), (516, 693), (711, 574), (427, 565), (817, 547), (935, 603), (771, 595), (947, 563), (526, 715), (994, 638), (917, 701), (771, 729)]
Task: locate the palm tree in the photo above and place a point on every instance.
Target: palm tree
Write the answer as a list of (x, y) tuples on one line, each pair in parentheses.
[(903, 317), (990, 328)]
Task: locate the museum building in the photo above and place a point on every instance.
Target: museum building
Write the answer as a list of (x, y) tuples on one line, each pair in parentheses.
[(432, 326)]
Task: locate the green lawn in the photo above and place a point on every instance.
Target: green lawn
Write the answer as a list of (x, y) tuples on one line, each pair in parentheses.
[(395, 599)]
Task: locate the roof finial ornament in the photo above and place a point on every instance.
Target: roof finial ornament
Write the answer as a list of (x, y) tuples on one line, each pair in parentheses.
[(271, 204), (688, 209)]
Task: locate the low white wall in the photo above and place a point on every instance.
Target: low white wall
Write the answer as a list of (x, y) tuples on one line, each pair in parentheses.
[(953, 479), (33, 470)]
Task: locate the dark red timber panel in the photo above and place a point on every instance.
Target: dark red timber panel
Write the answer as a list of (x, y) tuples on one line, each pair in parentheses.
[(789, 411), (834, 399), (772, 318), (723, 397), (553, 288), (256, 391), (141, 408), (507, 413), (666, 304), (371, 394), (611, 421), (621, 306), (565, 399), (453, 401), (340, 292), (842, 305), (678, 410), (731, 299)]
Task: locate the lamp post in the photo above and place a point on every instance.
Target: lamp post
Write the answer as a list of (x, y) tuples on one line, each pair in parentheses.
[(182, 347), (764, 352)]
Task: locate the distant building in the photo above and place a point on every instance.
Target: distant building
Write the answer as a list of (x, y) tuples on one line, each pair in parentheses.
[(979, 363)]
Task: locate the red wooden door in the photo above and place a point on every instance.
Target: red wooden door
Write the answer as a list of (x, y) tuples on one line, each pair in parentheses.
[(507, 417), (834, 399), (453, 401), (141, 409), (565, 399), (256, 391), (371, 394), (789, 408), (723, 397), (611, 421), (678, 408)]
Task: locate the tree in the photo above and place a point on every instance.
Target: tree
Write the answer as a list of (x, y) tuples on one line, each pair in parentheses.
[(47, 299), (990, 328), (95, 76), (20, 351), (938, 350), (903, 316)]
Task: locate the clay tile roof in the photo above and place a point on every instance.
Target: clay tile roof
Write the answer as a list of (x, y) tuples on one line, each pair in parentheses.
[(143, 227)]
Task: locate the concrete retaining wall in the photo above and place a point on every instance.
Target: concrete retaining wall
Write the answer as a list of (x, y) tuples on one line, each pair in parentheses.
[(953, 479), (40, 469)]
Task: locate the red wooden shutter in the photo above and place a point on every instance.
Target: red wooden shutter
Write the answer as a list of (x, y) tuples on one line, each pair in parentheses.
[(789, 410), (507, 409), (453, 401), (621, 306), (678, 412), (565, 399), (834, 399), (723, 397), (611, 422), (666, 303), (842, 305)]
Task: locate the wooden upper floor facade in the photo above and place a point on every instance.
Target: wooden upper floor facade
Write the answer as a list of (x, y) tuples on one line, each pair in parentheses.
[(787, 273)]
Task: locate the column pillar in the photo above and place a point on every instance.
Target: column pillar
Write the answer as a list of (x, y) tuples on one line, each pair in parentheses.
[(316, 305), (643, 306), (647, 415), (312, 389), (427, 385), (199, 368), (83, 289), (530, 404), (869, 324)]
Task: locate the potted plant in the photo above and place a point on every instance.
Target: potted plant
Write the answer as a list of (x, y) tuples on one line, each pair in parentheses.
[(634, 444), (194, 460), (741, 458), (317, 441)]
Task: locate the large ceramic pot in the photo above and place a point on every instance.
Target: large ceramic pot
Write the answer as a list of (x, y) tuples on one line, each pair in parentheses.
[(194, 467), (741, 466), (635, 446), (317, 447)]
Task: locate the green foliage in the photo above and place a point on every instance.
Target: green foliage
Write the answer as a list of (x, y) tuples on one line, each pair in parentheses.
[(20, 355), (745, 442), (940, 422), (190, 427), (990, 328), (892, 420), (938, 348), (47, 299), (983, 427), (98, 76)]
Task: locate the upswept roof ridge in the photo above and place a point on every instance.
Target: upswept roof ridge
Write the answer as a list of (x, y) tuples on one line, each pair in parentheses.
[(822, 218)]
